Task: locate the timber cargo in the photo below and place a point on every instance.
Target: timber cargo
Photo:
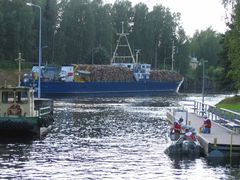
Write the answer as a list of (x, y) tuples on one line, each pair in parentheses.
[(103, 79)]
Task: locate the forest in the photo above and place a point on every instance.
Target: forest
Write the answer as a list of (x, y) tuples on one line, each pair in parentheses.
[(85, 32)]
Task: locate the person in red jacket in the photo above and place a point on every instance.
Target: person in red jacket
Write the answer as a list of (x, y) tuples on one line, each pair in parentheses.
[(176, 129), (206, 127), (190, 135), (177, 126)]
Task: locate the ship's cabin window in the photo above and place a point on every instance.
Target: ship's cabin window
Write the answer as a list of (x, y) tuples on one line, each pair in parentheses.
[(21, 97), (129, 66), (7, 97)]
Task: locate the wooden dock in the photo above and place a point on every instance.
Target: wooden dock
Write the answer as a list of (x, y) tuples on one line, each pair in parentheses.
[(225, 139)]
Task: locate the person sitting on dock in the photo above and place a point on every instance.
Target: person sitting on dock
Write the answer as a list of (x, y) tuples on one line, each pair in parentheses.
[(206, 127)]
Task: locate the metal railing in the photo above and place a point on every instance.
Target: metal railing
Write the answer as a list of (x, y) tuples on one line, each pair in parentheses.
[(44, 111), (213, 113)]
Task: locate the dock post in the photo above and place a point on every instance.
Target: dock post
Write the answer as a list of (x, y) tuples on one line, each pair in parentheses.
[(194, 107), (230, 155), (203, 109), (215, 142)]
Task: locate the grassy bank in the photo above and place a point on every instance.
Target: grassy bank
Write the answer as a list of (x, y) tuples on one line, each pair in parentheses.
[(231, 103), (10, 76), (9, 72)]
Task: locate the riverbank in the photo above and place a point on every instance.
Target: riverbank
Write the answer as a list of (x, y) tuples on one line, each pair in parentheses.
[(231, 103), (10, 76)]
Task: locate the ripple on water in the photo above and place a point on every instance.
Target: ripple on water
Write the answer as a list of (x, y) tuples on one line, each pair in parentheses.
[(112, 138)]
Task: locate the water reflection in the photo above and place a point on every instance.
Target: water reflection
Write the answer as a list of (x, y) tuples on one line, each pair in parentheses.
[(106, 138)]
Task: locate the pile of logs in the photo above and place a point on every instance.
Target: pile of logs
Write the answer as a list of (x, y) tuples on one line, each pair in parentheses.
[(165, 75), (109, 73)]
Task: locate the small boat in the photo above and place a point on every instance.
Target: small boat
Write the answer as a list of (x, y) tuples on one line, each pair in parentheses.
[(184, 146), (21, 114)]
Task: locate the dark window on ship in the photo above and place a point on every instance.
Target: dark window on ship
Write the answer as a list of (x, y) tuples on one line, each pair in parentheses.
[(129, 66), (7, 97), (22, 97)]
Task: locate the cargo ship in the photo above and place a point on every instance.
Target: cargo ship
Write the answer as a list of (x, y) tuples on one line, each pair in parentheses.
[(124, 76)]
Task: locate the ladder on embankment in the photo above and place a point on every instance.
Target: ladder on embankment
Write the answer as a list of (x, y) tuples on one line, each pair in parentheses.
[(225, 131)]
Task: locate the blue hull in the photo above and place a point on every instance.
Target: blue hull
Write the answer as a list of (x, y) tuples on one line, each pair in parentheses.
[(57, 88)]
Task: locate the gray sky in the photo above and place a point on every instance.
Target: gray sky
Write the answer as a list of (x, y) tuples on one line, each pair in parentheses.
[(195, 14)]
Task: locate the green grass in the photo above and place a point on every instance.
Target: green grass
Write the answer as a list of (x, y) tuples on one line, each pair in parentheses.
[(13, 65), (10, 65), (232, 103)]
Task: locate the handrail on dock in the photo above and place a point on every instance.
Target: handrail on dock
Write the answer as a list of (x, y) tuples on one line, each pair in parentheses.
[(44, 111), (215, 113), (225, 132), (225, 117)]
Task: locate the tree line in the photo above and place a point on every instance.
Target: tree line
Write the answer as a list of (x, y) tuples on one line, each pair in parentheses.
[(85, 32)]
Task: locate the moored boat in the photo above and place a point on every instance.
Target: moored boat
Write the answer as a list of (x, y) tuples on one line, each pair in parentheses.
[(21, 114), (184, 147), (184, 142)]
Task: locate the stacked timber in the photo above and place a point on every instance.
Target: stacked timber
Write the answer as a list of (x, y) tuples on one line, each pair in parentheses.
[(165, 75), (107, 73)]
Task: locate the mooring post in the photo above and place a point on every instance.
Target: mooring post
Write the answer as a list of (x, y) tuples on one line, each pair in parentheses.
[(230, 155), (215, 142)]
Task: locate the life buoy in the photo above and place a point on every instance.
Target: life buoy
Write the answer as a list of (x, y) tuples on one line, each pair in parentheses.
[(14, 109)]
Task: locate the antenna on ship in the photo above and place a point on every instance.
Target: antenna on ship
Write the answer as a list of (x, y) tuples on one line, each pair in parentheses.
[(115, 55)]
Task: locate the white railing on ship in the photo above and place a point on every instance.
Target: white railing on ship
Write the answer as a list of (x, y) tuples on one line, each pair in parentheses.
[(44, 111)]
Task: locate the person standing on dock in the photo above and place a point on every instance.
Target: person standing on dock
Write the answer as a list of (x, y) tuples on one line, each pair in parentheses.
[(206, 127)]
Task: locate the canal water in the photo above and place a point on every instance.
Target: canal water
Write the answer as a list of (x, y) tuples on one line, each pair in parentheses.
[(108, 138)]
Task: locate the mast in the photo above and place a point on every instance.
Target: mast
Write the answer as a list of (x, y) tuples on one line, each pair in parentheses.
[(20, 60), (116, 57)]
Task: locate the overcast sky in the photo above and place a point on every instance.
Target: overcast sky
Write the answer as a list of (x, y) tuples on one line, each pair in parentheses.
[(195, 14)]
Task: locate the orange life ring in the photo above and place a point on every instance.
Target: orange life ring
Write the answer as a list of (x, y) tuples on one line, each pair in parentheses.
[(14, 109)]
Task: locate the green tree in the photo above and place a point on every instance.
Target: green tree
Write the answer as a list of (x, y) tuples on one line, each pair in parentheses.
[(225, 83), (77, 26), (16, 32), (161, 32), (206, 45), (1, 31), (49, 29), (230, 55), (139, 29), (103, 25), (182, 52)]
